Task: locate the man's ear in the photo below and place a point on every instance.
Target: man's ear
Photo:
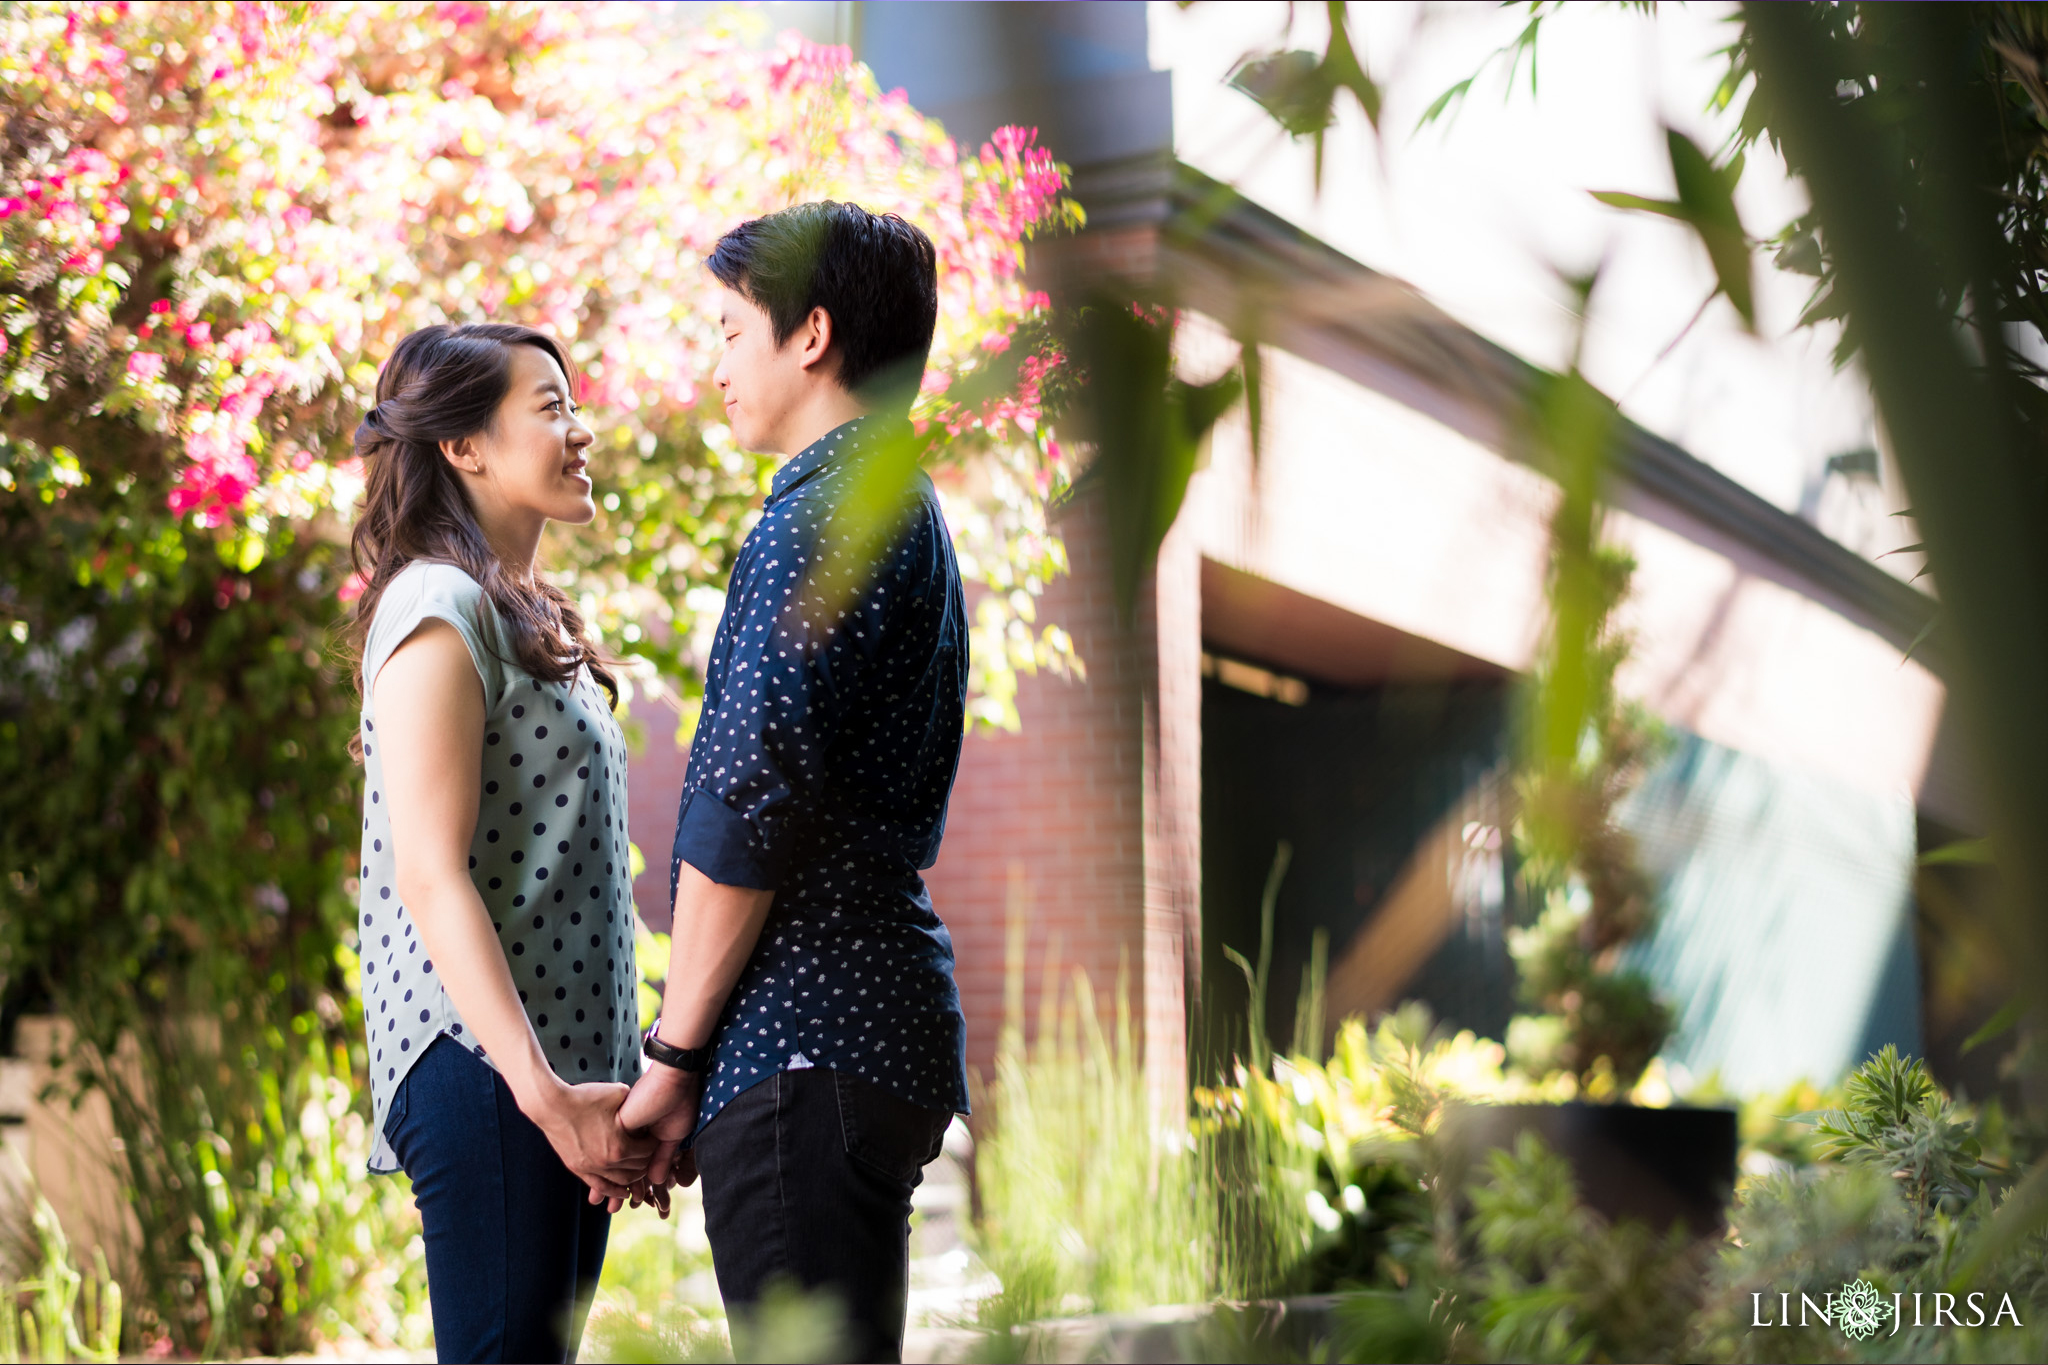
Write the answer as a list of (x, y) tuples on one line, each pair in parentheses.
[(814, 340)]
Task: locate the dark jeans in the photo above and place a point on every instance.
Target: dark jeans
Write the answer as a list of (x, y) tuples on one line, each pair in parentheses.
[(513, 1244), (807, 1181)]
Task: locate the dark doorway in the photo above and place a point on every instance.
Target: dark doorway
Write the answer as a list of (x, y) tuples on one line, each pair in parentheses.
[(1355, 779)]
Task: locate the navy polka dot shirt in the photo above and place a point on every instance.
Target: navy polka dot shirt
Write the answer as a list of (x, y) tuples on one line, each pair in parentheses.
[(834, 708)]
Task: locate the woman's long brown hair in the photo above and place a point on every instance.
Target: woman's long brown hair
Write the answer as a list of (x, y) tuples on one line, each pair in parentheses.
[(444, 383)]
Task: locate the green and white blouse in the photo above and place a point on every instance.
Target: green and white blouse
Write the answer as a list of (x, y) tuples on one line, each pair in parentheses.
[(549, 860)]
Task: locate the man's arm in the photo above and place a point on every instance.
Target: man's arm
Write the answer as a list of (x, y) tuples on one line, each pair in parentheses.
[(792, 655), (714, 934)]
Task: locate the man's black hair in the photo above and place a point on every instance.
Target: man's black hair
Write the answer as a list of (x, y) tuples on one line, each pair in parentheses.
[(875, 274)]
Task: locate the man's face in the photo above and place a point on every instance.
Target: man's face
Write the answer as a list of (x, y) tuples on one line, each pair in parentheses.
[(762, 384)]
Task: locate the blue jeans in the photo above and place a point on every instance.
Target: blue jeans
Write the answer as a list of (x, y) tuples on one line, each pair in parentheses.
[(513, 1244)]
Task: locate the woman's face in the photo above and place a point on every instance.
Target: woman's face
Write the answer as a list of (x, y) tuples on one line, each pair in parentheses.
[(530, 459)]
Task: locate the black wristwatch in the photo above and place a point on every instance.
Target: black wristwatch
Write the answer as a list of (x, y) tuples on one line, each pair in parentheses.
[(696, 1059)]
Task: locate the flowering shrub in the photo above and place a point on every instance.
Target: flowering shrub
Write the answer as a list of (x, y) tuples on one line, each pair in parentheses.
[(214, 220), (219, 216)]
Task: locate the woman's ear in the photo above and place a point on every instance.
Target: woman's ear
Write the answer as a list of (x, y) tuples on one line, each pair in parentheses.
[(462, 453)]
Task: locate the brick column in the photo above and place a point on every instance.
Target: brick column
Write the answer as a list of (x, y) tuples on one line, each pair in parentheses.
[(1088, 822), (1171, 648)]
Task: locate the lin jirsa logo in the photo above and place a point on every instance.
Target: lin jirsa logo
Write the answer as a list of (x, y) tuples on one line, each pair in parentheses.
[(1861, 1312)]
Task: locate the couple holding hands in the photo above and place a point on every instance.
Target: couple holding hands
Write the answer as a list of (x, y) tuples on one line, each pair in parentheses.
[(810, 1053)]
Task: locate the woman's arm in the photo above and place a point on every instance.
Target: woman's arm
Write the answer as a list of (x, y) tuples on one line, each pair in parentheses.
[(430, 719)]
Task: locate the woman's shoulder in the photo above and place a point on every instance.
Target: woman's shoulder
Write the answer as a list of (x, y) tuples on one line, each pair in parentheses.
[(427, 589), (435, 580), (435, 588)]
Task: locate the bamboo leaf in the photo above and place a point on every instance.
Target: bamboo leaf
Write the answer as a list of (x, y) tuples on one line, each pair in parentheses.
[(1708, 193), (1966, 852), (1290, 86), (1669, 208), (1997, 1024), (1443, 102), (1920, 639)]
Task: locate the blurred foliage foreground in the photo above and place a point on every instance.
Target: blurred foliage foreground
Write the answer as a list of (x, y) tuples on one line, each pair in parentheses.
[(1335, 1186), (1307, 1176)]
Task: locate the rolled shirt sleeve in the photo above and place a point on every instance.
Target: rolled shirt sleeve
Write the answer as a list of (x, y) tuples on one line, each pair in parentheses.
[(795, 640)]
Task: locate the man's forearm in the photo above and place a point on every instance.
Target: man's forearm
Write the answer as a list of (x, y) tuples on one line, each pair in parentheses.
[(714, 934)]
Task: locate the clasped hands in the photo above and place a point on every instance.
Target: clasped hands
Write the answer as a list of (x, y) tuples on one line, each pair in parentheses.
[(625, 1143)]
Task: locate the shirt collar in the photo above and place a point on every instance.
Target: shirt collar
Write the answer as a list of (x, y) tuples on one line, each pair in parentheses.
[(816, 456)]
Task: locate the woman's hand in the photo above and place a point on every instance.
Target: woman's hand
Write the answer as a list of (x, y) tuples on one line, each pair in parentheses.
[(582, 1125)]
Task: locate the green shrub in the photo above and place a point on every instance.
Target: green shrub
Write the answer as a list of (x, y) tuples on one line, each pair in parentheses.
[(55, 1311), (1901, 1195), (1089, 1200)]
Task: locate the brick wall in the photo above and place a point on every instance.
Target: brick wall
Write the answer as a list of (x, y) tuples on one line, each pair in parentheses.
[(1059, 823)]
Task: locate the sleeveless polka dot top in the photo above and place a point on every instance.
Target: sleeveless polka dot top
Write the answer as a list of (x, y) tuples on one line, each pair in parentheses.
[(549, 860)]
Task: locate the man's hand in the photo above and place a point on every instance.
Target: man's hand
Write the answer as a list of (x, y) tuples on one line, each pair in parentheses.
[(663, 1103), (583, 1124)]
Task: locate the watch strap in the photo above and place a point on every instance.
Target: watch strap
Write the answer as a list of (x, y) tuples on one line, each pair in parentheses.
[(696, 1059)]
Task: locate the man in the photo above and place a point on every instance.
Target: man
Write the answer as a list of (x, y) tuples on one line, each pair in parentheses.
[(810, 1025)]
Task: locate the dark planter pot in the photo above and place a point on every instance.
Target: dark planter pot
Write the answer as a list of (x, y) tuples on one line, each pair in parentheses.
[(1655, 1166)]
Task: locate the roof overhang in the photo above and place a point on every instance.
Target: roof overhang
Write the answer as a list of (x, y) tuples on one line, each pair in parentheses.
[(1162, 222)]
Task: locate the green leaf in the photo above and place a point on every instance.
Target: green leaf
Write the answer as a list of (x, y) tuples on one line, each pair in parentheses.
[(1670, 208), (1147, 424), (1443, 102), (1801, 255), (1705, 203), (1291, 87), (1969, 852), (1341, 68), (1921, 638), (1252, 367), (1708, 193), (2022, 1213), (1997, 1024)]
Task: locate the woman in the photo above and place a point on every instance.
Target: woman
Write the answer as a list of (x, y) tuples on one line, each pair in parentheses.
[(497, 915)]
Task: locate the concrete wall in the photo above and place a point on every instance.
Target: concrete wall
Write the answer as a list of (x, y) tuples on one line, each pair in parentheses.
[(1364, 503)]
